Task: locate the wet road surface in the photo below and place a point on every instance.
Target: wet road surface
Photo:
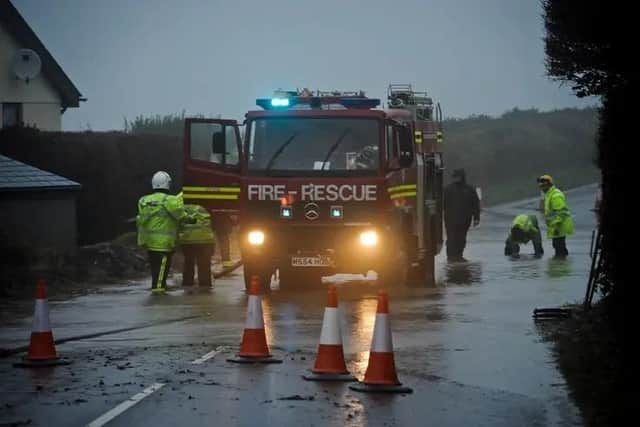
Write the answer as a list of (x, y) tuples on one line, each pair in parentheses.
[(468, 347)]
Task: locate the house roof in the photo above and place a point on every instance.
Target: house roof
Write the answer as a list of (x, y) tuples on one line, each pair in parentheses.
[(18, 176), (15, 24)]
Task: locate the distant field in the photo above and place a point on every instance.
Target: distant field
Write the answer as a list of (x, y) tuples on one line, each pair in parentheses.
[(504, 155)]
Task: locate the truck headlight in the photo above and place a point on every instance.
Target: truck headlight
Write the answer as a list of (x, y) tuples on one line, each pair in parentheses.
[(256, 237), (369, 238)]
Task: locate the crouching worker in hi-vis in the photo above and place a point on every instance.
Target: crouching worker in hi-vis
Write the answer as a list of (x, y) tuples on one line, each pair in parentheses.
[(523, 230), (159, 214), (197, 241)]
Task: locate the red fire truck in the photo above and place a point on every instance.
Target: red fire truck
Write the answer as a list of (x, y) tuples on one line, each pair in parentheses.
[(324, 182)]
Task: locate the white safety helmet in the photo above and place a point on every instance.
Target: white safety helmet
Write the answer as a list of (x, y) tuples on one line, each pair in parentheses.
[(161, 181)]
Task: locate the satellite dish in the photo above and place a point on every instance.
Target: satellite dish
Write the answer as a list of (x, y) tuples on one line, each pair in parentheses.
[(26, 65)]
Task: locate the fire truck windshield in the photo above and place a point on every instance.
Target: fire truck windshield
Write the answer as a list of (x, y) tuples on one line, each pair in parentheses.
[(313, 146)]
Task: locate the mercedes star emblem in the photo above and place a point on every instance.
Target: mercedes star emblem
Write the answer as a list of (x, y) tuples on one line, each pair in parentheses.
[(311, 211)]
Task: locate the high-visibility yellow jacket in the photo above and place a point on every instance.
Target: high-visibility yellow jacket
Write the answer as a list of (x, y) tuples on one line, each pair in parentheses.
[(195, 228), (158, 217), (530, 233), (557, 214)]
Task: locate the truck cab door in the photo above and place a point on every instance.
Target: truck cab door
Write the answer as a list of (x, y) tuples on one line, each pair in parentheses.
[(212, 153)]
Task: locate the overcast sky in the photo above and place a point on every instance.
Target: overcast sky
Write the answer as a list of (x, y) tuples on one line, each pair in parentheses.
[(216, 56)]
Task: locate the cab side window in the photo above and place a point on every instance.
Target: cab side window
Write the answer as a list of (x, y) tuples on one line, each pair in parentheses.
[(232, 156), (214, 143), (400, 150)]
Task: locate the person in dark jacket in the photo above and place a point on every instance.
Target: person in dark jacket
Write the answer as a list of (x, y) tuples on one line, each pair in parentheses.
[(461, 207)]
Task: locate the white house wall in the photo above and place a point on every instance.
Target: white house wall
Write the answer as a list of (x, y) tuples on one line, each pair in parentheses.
[(42, 116), (40, 102)]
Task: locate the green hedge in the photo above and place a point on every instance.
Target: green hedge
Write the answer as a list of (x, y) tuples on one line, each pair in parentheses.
[(114, 168)]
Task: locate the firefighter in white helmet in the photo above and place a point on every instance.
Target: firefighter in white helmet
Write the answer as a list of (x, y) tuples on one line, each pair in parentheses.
[(159, 214)]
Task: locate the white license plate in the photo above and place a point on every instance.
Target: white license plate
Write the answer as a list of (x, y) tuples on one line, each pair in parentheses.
[(310, 261)]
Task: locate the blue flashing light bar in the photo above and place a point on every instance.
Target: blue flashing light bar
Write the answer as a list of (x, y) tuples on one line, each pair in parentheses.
[(275, 103), (289, 100), (280, 102)]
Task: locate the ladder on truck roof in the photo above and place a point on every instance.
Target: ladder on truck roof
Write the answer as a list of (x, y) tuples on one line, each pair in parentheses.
[(403, 96)]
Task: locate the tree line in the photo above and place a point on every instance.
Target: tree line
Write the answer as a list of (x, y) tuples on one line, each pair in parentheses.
[(504, 155)]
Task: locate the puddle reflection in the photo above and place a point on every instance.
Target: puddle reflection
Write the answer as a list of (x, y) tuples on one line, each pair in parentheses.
[(463, 273), (361, 331), (558, 268), (525, 267)]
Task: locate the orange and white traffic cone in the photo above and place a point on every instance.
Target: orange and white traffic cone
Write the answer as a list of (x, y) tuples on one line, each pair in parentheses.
[(254, 348), (380, 375), (42, 350), (330, 365)]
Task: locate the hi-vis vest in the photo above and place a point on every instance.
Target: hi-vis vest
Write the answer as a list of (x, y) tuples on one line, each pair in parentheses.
[(528, 224), (158, 217), (196, 226), (556, 214)]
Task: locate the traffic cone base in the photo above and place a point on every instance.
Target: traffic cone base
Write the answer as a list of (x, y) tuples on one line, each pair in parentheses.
[(330, 365), (254, 359), (254, 348), (380, 388), (330, 360), (381, 369), (26, 363), (42, 346), (380, 376), (254, 343), (42, 349)]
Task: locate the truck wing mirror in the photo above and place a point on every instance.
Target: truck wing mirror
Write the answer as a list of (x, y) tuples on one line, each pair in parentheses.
[(218, 143), (394, 165)]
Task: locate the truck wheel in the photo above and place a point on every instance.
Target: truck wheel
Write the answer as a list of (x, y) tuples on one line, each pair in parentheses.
[(422, 274), (264, 275), (395, 273)]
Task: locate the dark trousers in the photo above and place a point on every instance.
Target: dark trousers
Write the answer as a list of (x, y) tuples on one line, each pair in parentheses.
[(560, 246), (200, 255), (225, 250), (456, 239), (160, 265), (223, 227)]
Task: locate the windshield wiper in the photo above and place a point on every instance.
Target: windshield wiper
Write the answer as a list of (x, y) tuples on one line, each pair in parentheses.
[(279, 151), (334, 147)]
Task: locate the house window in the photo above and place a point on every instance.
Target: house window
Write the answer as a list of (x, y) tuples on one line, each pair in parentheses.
[(11, 114)]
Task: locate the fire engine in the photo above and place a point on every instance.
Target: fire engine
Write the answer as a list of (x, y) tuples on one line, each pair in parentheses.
[(324, 183)]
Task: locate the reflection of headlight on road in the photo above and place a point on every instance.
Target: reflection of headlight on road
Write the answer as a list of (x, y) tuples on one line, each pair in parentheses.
[(256, 237), (369, 238)]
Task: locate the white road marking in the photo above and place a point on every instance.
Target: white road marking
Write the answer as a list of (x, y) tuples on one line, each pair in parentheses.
[(108, 416), (208, 356)]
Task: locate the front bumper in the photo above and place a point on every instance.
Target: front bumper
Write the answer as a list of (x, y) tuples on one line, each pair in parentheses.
[(341, 245)]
